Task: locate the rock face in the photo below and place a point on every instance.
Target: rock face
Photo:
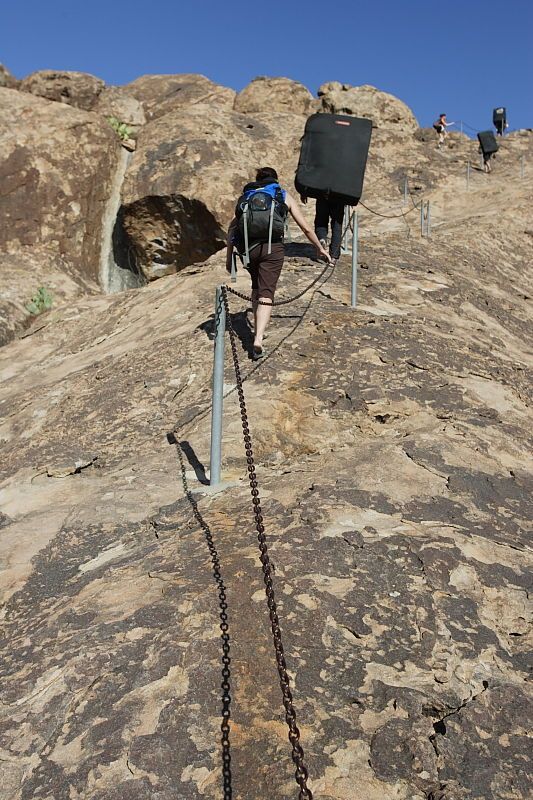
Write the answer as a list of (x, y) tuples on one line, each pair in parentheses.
[(7, 80), (160, 94), (275, 94), (116, 102), (26, 270), (393, 451), (393, 461), (77, 89), (385, 110), (84, 91), (188, 170), (57, 170)]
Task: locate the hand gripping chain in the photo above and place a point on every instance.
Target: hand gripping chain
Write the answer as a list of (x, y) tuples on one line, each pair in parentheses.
[(290, 714)]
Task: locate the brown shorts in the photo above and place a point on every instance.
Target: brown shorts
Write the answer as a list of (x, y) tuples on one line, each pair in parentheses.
[(265, 269)]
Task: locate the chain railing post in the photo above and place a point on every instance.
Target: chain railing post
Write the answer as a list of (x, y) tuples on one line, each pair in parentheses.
[(405, 190), (468, 175), (355, 253), (425, 218), (234, 267), (215, 460)]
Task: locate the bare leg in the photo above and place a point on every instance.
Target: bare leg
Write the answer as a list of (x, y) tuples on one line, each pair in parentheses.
[(254, 307), (261, 319)]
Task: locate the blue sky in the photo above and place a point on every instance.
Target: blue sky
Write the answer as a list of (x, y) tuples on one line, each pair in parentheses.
[(463, 58)]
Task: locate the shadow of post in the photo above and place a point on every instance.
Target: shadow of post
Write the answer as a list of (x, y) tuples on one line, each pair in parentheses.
[(184, 448)]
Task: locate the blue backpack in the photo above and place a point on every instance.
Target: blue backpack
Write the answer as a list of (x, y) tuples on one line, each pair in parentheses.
[(261, 213)]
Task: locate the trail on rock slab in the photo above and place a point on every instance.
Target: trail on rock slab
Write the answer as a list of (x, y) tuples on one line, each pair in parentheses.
[(394, 457)]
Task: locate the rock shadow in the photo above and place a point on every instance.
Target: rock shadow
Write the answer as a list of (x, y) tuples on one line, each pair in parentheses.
[(170, 232)]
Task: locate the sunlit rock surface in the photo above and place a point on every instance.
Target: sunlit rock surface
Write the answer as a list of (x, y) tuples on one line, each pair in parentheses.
[(393, 450)]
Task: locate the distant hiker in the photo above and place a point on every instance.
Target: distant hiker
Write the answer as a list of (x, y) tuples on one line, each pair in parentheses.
[(488, 147), (256, 232), (499, 120), (329, 210), (440, 126)]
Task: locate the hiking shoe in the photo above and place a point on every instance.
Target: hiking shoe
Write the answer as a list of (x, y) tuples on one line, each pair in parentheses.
[(257, 352)]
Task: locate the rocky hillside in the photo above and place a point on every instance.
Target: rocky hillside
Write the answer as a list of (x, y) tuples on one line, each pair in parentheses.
[(392, 443)]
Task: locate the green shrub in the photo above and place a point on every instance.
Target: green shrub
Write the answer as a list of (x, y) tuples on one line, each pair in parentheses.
[(41, 301), (122, 130)]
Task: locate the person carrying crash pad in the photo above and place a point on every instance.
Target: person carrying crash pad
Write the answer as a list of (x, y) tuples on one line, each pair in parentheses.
[(256, 232)]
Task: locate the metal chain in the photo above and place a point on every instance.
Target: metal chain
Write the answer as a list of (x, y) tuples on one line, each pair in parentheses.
[(288, 299), (224, 627), (390, 216), (300, 774)]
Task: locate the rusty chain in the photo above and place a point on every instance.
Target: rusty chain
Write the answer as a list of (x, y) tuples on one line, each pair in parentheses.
[(224, 628), (287, 300), (300, 774), (390, 216)]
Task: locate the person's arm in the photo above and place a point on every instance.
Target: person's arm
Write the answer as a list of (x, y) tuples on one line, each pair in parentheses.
[(304, 226), (229, 250)]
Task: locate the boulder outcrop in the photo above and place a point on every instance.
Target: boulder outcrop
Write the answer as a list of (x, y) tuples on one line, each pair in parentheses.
[(160, 94), (188, 170), (266, 94), (57, 171), (7, 80), (78, 89), (114, 101), (385, 110)]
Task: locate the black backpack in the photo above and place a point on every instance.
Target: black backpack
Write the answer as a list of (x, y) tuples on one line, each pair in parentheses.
[(261, 214)]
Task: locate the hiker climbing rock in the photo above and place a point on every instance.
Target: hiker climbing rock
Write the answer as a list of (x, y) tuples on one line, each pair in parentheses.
[(256, 232), (488, 147), (440, 126), (499, 120), (331, 169)]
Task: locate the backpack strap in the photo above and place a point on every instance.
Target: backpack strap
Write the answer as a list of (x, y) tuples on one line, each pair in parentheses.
[(246, 242), (270, 225)]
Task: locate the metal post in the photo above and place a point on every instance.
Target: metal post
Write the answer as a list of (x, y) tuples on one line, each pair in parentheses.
[(405, 189), (345, 224), (218, 390), (355, 248), (422, 217), (234, 267), (481, 162), (428, 220), (461, 127), (468, 175)]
